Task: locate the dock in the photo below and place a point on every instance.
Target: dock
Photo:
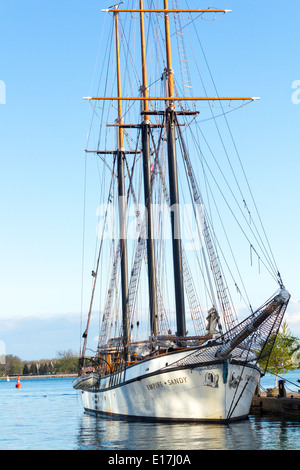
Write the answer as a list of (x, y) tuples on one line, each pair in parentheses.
[(289, 406), (277, 402), (44, 376)]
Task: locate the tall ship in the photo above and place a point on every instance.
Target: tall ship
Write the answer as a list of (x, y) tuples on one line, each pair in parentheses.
[(187, 288)]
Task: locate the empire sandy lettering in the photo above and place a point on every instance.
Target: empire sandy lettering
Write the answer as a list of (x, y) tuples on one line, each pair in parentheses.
[(180, 380), (176, 381)]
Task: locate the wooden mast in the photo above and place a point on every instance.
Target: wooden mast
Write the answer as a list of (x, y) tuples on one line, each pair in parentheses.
[(173, 183), (170, 124), (148, 187), (122, 202)]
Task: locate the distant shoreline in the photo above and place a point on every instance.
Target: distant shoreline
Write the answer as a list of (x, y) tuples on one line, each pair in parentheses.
[(45, 376)]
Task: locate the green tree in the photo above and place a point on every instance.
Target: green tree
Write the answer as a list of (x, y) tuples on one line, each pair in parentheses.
[(67, 362), (13, 365), (281, 354), (44, 368), (33, 368), (25, 369)]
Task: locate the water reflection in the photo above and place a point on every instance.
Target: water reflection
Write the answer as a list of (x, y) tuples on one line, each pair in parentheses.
[(277, 433), (251, 434), (49, 415)]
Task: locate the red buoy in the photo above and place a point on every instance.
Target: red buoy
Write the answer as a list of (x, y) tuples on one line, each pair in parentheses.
[(18, 383)]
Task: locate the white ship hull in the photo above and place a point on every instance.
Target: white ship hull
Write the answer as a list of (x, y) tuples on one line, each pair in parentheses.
[(217, 392)]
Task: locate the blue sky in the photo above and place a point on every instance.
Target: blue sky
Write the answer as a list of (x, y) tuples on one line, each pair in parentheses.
[(48, 52)]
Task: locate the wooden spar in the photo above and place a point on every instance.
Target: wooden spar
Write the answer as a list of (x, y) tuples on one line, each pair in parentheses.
[(175, 10), (169, 57), (148, 189), (122, 205), (112, 152), (172, 98), (85, 334)]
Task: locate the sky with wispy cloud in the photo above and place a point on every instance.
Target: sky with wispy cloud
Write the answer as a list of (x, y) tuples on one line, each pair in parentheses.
[(48, 53)]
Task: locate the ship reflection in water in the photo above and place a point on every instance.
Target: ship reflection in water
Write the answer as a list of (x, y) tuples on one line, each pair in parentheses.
[(255, 433)]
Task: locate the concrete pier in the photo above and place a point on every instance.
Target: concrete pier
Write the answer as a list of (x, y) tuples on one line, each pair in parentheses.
[(287, 406), (46, 376), (277, 402)]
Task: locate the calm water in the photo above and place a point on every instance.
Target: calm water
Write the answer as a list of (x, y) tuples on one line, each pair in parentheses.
[(47, 414)]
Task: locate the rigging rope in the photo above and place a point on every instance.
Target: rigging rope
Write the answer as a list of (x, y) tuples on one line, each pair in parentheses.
[(240, 161)]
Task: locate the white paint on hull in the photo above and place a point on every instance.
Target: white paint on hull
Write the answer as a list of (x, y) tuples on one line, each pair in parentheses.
[(196, 394)]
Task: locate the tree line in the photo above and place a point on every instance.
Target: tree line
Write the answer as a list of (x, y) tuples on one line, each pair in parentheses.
[(66, 362)]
